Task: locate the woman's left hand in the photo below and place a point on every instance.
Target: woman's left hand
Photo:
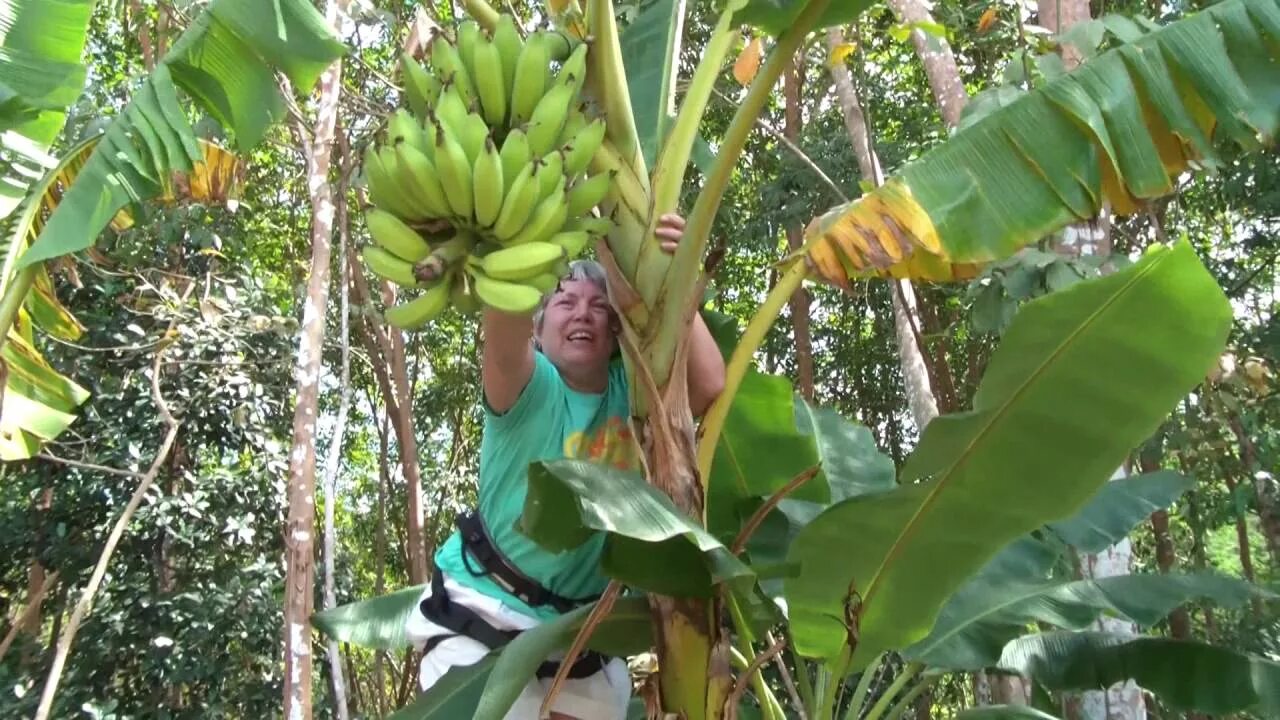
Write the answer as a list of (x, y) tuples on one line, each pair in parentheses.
[(670, 232)]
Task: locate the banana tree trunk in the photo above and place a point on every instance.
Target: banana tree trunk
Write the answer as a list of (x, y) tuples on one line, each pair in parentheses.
[(300, 526)]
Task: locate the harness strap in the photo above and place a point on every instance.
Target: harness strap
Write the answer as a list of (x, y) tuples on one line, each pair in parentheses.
[(465, 621), (477, 543)]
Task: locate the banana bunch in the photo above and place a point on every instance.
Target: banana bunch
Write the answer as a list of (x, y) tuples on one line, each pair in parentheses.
[(480, 188)]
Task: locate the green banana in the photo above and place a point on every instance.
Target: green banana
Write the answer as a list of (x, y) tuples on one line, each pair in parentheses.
[(444, 256), (507, 39), (573, 241), (548, 118), (451, 111), (474, 133), (532, 76), (515, 153), (421, 178), (455, 174), (594, 225), (508, 297), (421, 310), (558, 44), (468, 40), (574, 70), (421, 88), (390, 232), (517, 205), (547, 219), (490, 83), (587, 193), (486, 178), (388, 266), (462, 293), (573, 124), (448, 65), (545, 282), (582, 147), (550, 173), (520, 262), (384, 190), (402, 127)]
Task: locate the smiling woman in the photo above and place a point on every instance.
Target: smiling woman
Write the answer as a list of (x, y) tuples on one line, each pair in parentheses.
[(554, 387)]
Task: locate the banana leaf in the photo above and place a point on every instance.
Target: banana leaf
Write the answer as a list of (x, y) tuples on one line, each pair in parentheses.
[(1119, 507), (227, 60), (40, 69), (377, 623), (649, 544), (1122, 127), (1004, 712), (977, 623), (775, 16), (1188, 676), (1045, 432)]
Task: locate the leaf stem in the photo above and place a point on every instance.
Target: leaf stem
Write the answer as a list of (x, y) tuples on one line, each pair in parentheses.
[(14, 295), (740, 361), (901, 706), (908, 674), (744, 638)]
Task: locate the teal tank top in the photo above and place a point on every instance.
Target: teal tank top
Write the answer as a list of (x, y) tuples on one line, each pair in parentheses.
[(549, 421)]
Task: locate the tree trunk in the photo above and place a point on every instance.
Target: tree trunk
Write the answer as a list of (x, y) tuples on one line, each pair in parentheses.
[(1242, 539), (939, 62), (915, 374), (380, 556), (299, 531), (1268, 513), (795, 239), (1179, 620), (333, 461)]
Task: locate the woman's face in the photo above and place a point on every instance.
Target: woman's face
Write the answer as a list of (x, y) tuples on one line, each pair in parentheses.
[(577, 332)]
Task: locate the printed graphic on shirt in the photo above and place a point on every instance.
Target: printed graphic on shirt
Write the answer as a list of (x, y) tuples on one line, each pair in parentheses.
[(611, 444)]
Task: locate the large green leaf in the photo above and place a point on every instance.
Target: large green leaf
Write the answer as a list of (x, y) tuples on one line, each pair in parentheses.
[(1186, 675), (775, 16), (227, 59), (626, 631), (374, 623), (1120, 506), (977, 623), (1124, 125), (454, 696), (1046, 431), (1004, 712), (40, 72), (649, 543), (650, 54)]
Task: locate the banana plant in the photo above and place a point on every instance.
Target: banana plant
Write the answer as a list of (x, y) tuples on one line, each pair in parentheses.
[(226, 61), (1130, 120)]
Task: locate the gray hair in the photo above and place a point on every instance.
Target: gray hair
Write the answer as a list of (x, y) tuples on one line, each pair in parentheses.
[(578, 270)]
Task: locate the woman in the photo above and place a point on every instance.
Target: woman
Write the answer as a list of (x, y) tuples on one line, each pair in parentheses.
[(552, 389)]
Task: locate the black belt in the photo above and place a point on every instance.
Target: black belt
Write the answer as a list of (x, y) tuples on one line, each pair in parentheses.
[(476, 542), (465, 621)]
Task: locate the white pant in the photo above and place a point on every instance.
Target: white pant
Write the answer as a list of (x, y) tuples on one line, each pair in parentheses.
[(602, 696)]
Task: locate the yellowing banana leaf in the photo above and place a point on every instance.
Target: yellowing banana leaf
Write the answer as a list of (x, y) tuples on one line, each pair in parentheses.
[(227, 60), (1118, 129)]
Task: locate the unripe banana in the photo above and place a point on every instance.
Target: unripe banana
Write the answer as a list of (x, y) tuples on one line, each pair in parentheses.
[(444, 257), (532, 76), (574, 70), (455, 174), (507, 297), (451, 111), (507, 39), (421, 88), (449, 67), (558, 44), (422, 180), (521, 262), (594, 225), (468, 40), (518, 204), (462, 293), (550, 173), (586, 194), (385, 190), (390, 232), (486, 178), (388, 266), (545, 282), (402, 127), (515, 153), (547, 219), (421, 310), (474, 133), (491, 83), (548, 118), (573, 124), (573, 241), (583, 146)]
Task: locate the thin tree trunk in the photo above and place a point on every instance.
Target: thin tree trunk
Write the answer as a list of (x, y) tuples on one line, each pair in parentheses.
[(333, 462), (1268, 513), (939, 62), (1242, 539), (915, 374), (799, 302), (380, 557), (1179, 620), (300, 527)]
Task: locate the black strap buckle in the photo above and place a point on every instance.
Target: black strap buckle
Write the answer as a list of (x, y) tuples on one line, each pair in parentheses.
[(477, 543)]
